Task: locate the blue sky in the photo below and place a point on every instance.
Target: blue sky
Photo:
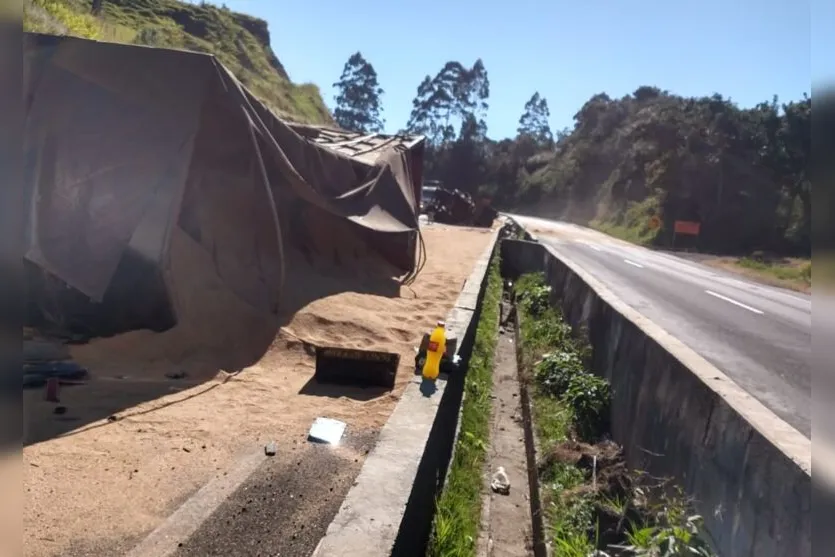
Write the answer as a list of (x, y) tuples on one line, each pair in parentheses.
[(748, 50)]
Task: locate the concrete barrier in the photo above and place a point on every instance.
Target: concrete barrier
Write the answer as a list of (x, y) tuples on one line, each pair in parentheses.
[(389, 510), (678, 416)]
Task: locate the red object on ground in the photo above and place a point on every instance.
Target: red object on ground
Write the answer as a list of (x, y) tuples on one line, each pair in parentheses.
[(52, 388)]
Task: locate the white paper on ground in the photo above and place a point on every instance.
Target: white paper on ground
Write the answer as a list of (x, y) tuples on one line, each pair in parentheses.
[(326, 430)]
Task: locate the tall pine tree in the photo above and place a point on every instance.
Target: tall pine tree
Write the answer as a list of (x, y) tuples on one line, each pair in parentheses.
[(358, 104), (534, 121), (450, 111)]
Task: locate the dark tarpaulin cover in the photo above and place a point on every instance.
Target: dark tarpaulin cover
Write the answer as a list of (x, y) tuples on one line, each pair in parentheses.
[(124, 143)]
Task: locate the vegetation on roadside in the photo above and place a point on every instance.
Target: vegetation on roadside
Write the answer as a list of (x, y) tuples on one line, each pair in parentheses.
[(239, 41), (790, 271), (458, 509), (593, 504), (742, 172), (784, 272), (633, 226)]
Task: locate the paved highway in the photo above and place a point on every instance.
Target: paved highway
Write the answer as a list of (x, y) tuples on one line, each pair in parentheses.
[(761, 337)]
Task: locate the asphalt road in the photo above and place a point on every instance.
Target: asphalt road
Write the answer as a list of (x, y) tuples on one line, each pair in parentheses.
[(760, 336)]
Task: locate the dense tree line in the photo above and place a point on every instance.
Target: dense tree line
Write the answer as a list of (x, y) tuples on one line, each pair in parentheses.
[(743, 173)]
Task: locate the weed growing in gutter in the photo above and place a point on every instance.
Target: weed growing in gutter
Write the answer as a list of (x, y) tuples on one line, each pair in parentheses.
[(458, 510), (593, 504)]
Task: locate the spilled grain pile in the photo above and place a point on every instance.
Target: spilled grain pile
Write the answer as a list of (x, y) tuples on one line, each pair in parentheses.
[(109, 482)]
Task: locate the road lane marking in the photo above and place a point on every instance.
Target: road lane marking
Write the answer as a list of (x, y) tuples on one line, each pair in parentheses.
[(734, 302), (595, 248), (761, 289), (633, 263)]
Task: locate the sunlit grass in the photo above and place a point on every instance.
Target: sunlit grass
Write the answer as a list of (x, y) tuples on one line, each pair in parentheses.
[(214, 29)]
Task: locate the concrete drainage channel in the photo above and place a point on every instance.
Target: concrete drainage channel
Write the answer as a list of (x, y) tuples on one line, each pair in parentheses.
[(676, 416)]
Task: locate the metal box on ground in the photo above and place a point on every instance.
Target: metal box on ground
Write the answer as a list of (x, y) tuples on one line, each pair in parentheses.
[(364, 368)]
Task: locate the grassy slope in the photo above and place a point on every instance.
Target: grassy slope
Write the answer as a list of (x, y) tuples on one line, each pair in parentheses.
[(239, 41)]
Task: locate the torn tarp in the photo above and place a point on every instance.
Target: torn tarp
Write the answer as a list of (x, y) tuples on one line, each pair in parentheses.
[(124, 144)]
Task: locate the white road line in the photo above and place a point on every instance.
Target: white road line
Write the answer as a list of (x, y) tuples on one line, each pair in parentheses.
[(633, 263), (734, 302), (761, 289), (595, 248)]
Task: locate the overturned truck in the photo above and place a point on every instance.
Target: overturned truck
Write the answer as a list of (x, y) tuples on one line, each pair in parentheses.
[(453, 206), (140, 161)]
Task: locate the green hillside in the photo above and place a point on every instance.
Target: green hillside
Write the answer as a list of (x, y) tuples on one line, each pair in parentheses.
[(239, 41), (742, 172)]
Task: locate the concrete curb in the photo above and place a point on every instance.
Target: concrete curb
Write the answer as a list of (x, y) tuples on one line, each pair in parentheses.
[(677, 415), (390, 508)]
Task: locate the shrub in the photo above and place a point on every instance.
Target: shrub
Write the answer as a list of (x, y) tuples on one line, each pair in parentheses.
[(806, 272), (75, 23), (556, 370), (535, 300), (588, 396), (550, 332)]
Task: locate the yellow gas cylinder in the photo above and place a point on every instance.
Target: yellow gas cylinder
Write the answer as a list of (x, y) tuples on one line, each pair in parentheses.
[(434, 352)]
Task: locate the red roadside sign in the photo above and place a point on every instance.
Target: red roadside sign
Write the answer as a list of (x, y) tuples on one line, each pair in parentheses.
[(687, 227)]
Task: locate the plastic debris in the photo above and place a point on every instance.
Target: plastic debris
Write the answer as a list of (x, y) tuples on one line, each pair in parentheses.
[(36, 374), (500, 483), (326, 430), (51, 393), (270, 449)]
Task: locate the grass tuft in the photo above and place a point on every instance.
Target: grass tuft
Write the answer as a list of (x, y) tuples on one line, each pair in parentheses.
[(790, 271)]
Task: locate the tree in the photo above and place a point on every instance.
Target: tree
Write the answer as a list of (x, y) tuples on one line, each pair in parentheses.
[(432, 109), (742, 172), (358, 105), (445, 102), (534, 122), (450, 110), (647, 93), (795, 137)]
